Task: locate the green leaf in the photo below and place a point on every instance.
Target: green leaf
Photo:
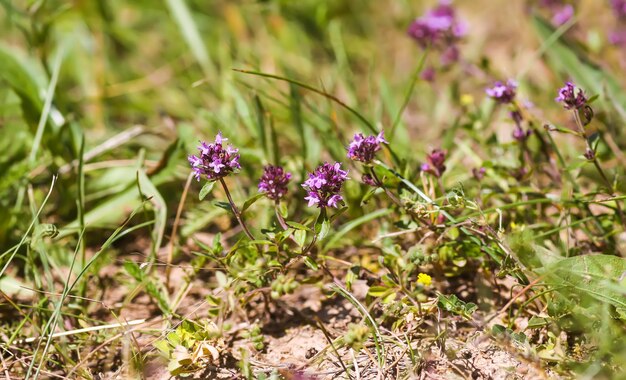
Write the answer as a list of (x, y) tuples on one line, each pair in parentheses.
[(535, 322), (163, 346), (206, 189), (454, 305), (369, 194), (323, 229), (378, 291), (300, 236), (133, 270), (310, 263), (250, 201), (498, 330), (596, 276), (282, 209), (297, 226), (222, 279), (148, 190), (224, 205)]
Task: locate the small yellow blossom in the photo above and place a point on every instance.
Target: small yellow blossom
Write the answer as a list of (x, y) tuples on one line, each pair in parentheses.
[(467, 100), (424, 279)]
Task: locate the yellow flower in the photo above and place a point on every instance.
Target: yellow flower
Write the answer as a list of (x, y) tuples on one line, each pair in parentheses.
[(467, 100), (424, 279)]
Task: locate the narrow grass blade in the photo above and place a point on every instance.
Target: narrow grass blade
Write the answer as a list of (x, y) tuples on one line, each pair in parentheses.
[(407, 97), (188, 28), (352, 225)]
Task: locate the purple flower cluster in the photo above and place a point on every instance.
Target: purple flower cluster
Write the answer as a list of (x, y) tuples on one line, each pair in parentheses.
[(439, 28), (215, 160), (519, 133), (617, 37), (571, 98), (274, 181), (435, 163), (479, 173), (561, 11), (619, 8), (363, 148), (369, 180), (324, 184), (503, 92)]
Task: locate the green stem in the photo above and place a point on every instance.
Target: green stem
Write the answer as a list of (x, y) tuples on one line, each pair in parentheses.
[(236, 210), (596, 163)]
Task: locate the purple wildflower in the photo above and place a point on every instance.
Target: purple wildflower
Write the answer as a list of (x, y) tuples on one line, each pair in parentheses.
[(562, 15), (364, 148), (520, 173), (479, 173), (324, 184), (215, 160), (435, 163), (369, 180), (517, 117), (439, 28), (428, 74), (503, 92), (561, 11), (520, 134), (618, 37), (450, 55), (274, 181), (619, 7), (590, 154), (571, 98)]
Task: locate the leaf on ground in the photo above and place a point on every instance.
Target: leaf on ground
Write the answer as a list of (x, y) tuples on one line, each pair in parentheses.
[(598, 276)]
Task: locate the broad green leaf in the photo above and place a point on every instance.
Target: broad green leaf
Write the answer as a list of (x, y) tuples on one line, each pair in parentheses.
[(206, 189), (297, 226), (324, 228), (378, 291), (250, 201), (598, 276)]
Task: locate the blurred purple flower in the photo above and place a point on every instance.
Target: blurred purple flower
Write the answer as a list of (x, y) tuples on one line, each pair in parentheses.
[(435, 163), (561, 11), (274, 181), (368, 180), (324, 184), (520, 173), (619, 7), (215, 160), (428, 74), (618, 37), (571, 98), (439, 28), (517, 117), (562, 15), (520, 134), (364, 148), (479, 173), (503, 92), (589, 154), (450, 55)]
